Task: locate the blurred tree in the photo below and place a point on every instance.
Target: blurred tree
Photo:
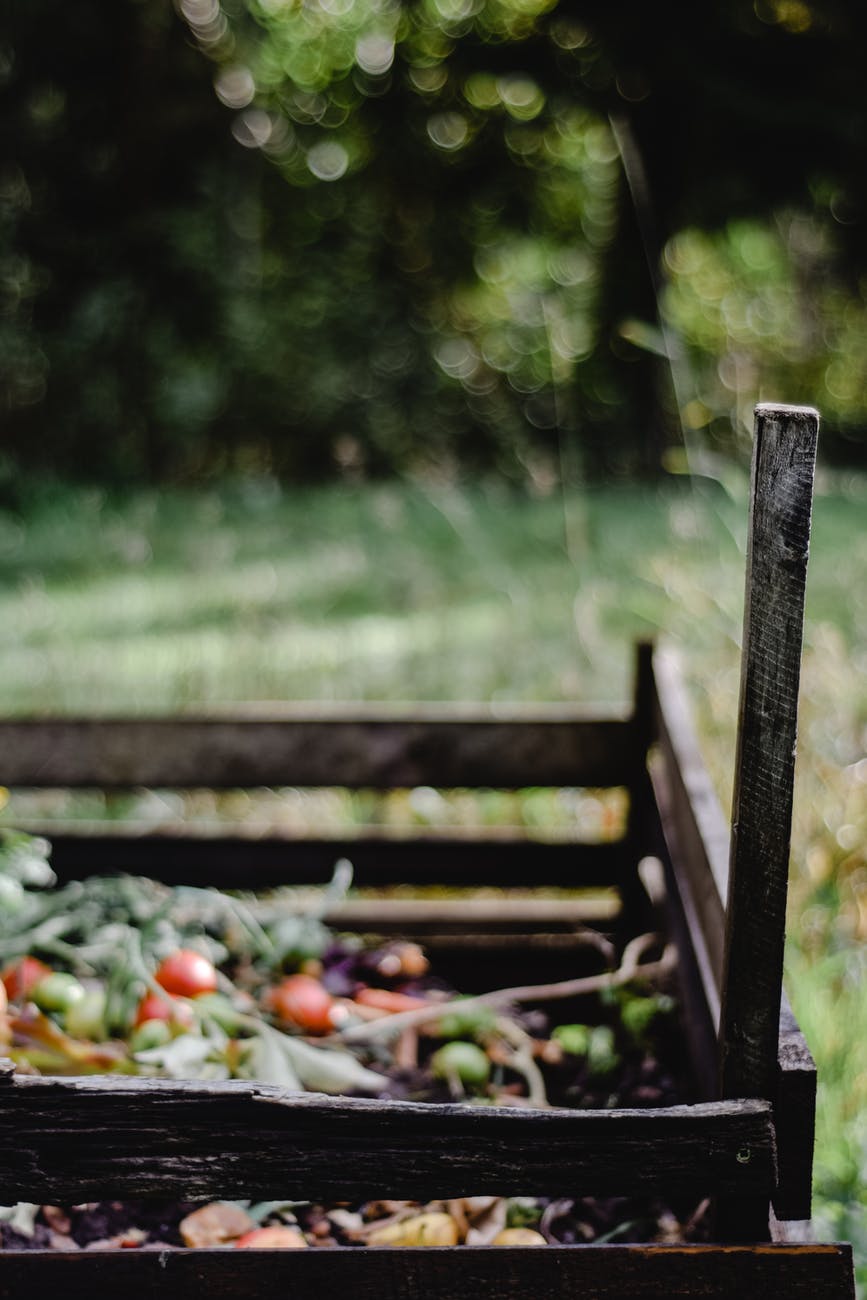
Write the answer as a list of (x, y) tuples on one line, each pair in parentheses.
[(459, 271)]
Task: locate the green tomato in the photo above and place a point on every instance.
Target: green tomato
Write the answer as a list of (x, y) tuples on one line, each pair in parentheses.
[(602, 1055), (57, 992), (464, 1061), (86, 1017), (637, 1014), (596, 1044), (149, 1034), (574, 1039), (473, 1022)]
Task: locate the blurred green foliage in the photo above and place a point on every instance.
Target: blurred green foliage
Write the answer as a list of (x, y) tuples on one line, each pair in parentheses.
[(360, 236)]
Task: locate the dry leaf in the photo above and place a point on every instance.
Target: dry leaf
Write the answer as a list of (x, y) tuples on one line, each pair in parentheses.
[(485, 1226), (215, 1224), (57, 1219), (60, 1241)]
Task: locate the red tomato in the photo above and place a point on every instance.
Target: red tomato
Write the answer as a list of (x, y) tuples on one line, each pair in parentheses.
[(273, 1238), (187, 974), (301, 1000), (171, 1010), (22, 976)]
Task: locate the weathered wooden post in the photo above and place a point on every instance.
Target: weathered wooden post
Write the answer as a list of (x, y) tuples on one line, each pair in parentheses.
[(784, 457)]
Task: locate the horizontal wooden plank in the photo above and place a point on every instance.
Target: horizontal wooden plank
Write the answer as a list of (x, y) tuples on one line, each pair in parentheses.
[(472, 916), (484, 1273), (262, 857), (72, 1140), (445, 748)]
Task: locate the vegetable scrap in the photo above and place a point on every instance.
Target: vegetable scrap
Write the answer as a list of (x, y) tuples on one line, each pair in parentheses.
[(125, 975)]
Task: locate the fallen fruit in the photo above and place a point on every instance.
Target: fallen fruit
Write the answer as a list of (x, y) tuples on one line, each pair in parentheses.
[(86, 1017), (301, 1000), (423, 1230), (464, 1061), (187, 974), (150, 1034), (22, 975), (273, 1238), (519, 1237), (172, 1010), (57, 992)]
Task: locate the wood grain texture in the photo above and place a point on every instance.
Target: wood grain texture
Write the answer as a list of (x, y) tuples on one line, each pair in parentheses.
[(778, 546), (442, 746), (484, 1273), (696, 845), (255, 857), (72, 1140)]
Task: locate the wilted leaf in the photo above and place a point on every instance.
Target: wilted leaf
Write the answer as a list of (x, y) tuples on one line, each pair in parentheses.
[(21, 1217), (215, 1224)]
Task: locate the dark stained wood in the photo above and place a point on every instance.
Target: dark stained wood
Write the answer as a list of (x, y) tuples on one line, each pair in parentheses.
[(695, 850), (444, 746), (778, 546), (251, 857), (69, 1140), (794, 1119), (697, 1015), (639, 912), (694, 826), (483, 1273)]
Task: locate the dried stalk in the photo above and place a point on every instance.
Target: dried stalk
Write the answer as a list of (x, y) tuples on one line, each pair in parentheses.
[(631, 967)]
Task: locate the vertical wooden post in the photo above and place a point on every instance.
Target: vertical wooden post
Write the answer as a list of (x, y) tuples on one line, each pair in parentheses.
[(637, 908), (781, 496)]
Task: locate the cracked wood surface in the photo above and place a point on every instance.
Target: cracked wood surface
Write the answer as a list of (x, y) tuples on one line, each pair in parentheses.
[(781, 500), (68, 1140)]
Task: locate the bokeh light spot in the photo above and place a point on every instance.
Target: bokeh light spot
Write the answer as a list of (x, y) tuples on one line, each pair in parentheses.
[(448, 130), (328, 160), (374, 53)]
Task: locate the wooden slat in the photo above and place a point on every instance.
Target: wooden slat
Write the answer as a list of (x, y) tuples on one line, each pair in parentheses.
[(795, 1119), (781, 499), (72, 1140), (693, 821), (696, 839), (698, 1011), (440, 747), (505, 916), (484, 1273), (250, 857)]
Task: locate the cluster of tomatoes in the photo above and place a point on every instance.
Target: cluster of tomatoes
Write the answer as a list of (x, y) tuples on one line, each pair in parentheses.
[(189, 983)]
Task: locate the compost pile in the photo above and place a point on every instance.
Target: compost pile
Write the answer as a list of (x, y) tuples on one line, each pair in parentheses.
[(125, 975)]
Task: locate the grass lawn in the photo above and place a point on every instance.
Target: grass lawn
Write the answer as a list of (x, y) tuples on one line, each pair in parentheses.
[(153, 603)]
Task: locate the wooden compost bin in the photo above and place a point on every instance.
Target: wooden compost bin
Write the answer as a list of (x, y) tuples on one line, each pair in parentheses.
[(748, 1143)]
